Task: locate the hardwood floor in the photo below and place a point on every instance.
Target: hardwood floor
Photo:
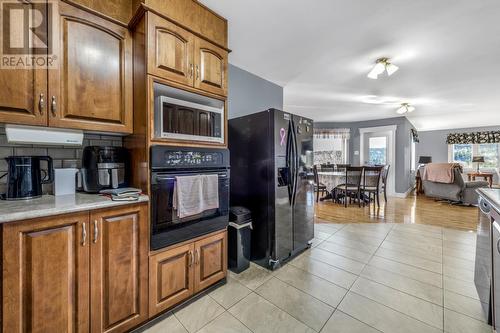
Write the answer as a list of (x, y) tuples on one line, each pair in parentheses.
[(414, 209)]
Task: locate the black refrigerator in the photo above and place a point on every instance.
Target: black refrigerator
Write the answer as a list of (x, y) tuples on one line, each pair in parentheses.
[(271, 174)]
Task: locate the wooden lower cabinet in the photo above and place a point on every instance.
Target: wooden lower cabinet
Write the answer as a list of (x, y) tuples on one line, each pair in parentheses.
[(176, 273), (171, 278), (81, 272), (211, 260), (119, 268), (46, 275)]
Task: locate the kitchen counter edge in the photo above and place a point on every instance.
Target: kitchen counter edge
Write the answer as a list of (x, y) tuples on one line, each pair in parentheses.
[(492, 195), (49, 205)]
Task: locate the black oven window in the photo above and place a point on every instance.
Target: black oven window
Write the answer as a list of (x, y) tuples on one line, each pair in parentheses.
[(165, 217)]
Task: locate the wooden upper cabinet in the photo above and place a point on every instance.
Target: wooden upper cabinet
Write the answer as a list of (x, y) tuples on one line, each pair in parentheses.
[(170, 51), (210, 260), (119, 270), (23, 96), (178, 55), (171, 278), (192, 14), (45, 275), (92, 87), (23, 91), (211, 66)]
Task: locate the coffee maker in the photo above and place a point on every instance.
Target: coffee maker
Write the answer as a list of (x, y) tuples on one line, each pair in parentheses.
[(104, 168)]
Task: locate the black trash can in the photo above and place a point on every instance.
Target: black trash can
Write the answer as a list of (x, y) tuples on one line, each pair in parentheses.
[(239, 239)]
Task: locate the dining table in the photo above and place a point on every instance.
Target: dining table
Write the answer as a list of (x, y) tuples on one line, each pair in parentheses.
[(332, 179)]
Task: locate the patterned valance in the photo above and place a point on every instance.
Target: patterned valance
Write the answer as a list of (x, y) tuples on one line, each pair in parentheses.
[(332, 133), (473, 137), (414, 135)]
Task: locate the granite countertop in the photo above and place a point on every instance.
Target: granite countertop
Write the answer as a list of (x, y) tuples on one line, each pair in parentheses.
[(49, 205), (492, 195)]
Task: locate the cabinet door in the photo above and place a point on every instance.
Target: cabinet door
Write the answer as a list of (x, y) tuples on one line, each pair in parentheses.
[(211, 67), (23, 91), (171, 278), (210, 260), (170, 51), (92, 88), (46, 275), (119, 268)]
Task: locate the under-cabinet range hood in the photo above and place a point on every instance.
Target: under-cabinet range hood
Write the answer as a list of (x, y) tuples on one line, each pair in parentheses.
[(43, 135)]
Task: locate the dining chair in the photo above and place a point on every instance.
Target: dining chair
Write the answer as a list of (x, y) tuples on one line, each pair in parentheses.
[(342, 166), (327, 167), (371, 183), (352, 185), (318, 187), (385, 176)]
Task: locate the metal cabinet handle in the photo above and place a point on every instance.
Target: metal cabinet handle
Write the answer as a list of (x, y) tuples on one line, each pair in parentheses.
[(197, 72), (498, 245), (96, 231), (191, 71), (41, 103), (197, 260), (54, 106), (84, 234), (191, 258)]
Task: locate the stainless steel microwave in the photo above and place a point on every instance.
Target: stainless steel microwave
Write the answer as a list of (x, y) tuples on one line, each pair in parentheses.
[(197, 118)]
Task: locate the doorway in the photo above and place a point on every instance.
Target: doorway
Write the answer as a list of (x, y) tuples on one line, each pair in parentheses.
[(378, 147)]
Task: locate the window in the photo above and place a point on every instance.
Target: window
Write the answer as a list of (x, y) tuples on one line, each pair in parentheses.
[(463, 153), (377, 150), (490, 153), (331, 150)]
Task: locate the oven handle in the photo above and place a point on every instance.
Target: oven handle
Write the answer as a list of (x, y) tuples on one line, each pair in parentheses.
[(173, 178)]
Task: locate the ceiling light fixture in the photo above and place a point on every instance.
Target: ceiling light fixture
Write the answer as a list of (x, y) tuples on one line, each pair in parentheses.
[(381, 65), (405, 108)]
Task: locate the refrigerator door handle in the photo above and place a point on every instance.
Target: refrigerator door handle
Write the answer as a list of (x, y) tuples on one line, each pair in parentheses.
[(295, 163), (289, 156)]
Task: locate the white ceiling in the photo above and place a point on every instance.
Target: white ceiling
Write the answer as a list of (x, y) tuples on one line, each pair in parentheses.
[(448, 52)]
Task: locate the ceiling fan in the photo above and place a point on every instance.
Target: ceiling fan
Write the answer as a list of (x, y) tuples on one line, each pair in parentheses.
[(405, 108), (381, 65)]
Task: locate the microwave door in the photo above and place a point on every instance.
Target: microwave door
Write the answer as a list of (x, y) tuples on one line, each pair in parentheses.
[(183, 120)]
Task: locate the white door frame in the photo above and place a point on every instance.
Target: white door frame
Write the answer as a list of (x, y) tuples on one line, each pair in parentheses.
[(391, 156)]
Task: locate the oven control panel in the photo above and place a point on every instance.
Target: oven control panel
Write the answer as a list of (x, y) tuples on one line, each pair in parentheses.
[(163, 157), (192, 158)]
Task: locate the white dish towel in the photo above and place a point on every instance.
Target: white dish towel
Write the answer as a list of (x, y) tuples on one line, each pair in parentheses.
[(195, 194)]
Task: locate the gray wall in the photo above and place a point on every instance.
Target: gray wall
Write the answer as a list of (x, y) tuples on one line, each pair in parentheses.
[(403, 175), (248, 93), (433, 143)]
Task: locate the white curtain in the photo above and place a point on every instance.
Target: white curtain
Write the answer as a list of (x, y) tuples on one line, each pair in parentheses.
[(332, 133)]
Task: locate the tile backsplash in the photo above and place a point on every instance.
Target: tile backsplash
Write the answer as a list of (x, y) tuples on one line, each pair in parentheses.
[(63, 156)]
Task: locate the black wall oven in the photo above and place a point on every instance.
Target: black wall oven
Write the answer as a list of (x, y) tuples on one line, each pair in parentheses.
[(167, 163)]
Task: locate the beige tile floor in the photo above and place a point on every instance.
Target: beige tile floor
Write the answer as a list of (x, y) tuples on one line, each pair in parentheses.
[(356, 278)]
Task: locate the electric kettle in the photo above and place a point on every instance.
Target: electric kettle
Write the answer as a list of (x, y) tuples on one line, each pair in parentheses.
[(24, 176)]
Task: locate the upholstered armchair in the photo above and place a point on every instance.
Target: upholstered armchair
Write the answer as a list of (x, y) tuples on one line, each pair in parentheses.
[(459, 191)]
